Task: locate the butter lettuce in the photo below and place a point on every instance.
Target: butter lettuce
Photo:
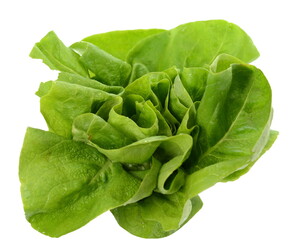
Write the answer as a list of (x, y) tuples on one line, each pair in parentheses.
[(139, 123)]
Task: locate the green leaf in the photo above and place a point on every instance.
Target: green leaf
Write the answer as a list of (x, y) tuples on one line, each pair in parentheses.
[(180, 100), (107, 68), (223, 61), (188, 123), (173, 152), (194, 81), (65, 184), (156, 87), (118, 43), (233, 114), (90, 83), (57, 56), (194, 44), (138, 70), (207, 177), (158, 215), (152, 86), (95, 129), (149, 181), (61, 102), (234, 176), (170, 151), (141, 122)]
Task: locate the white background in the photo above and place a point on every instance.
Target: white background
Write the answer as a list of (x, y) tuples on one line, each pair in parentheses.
[(264, 204)]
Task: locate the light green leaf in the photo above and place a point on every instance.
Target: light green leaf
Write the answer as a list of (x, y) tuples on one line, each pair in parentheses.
[(152, 86), (149, 181), (233, 115), (234, 176), (140, 119), (173, 152), (158, 215), (90, 83), (57, 56), (194, 44), (188, 123), (118, 43), (138, 70), (223, 61), (65, 184), (95, 129), (170, 151), (141, 122), (180, 101), (194, 81), (107, 68), (207, 177), (61, 102)]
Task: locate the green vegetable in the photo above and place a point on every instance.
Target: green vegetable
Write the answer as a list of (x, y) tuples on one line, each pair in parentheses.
[(140, 122)]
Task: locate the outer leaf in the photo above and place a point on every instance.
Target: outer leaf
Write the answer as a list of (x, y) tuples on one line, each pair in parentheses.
[(118, 43), (158, 215), (194, 44), (87, 82), (223, 62), (65, 184), (57, 56), (234, 114), (234, 176), (61, 102), (107, 68), (221, 172), (206, 177), (239, 98)]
